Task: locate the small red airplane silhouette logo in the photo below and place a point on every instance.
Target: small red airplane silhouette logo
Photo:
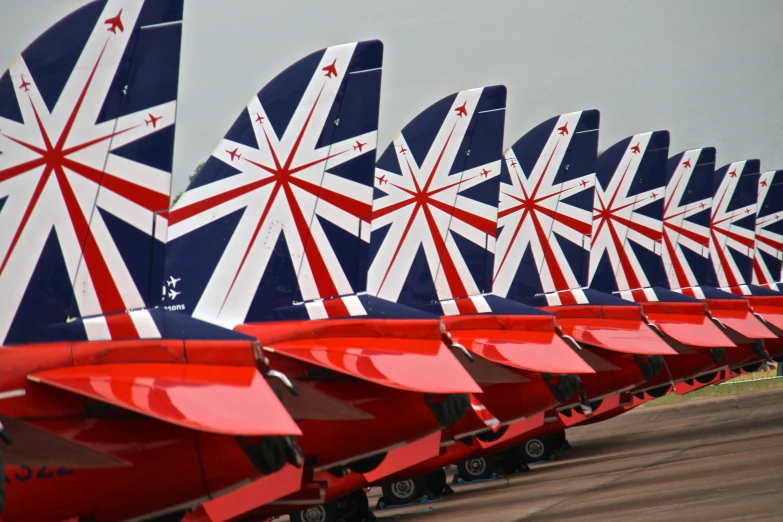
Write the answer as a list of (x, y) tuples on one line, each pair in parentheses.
[(747, 211), (686, 164), (635, 149), (584, 183), (484, 173), (330, 69), (733, 174), (381, 179), (25, 84), (234, 154), (653, 195), (359, 145), (764, 183), (563, 130), (403, 150), (703, 205), (116, 23), (259, 118), (513, 163), (461, 110), (153, 121)]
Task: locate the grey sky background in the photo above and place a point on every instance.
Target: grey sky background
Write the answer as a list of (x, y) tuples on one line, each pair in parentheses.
[(709, 71)]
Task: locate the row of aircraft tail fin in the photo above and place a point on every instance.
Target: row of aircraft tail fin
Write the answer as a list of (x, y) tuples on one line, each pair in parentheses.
[(292, 218)]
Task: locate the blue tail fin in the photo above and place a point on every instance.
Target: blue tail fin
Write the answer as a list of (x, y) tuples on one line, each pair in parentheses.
[(435, 210), (733, 224), (686, 232), (87, 114), (628, 214), (546, 203), (767, 263), (280, 212)]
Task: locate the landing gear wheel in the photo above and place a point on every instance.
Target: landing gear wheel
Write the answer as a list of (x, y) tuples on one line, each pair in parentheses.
[(559, 441), (353, 507), (404, 491), (511, 462), (474, 469), (436, 482), (321, 513), (536, 449)]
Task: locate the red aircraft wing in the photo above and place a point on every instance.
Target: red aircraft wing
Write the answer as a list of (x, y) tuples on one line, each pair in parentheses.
[(524, 342), (616, 328), (219, 399)]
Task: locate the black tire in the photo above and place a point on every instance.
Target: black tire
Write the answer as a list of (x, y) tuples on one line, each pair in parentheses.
[(706, 379), (536, 449), (510, 461), (450, 409), (404, 491), (559, 439), (321, 513), (367, 464), (474, 469), (436, 482), (353, 507)]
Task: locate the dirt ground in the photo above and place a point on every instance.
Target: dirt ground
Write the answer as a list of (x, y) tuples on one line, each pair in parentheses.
[(712, 459)]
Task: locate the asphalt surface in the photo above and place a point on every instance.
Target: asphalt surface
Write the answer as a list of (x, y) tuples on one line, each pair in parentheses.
[(712, 459)]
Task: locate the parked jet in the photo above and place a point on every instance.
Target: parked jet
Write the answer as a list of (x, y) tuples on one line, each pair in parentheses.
[(99, 395)]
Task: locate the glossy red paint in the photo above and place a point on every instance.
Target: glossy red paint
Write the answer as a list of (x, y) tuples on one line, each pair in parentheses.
[(403, 354), (617, 328), (166, 466), (523, 342), (686, 323), (738, 317), (218, 399), (63, 431)]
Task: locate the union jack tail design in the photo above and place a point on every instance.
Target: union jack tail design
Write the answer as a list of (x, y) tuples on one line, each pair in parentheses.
[(768, 259), (279, 215), (733, 226), (546, 199), (686, 221), (87, 117), (435, 213), (628, 214)]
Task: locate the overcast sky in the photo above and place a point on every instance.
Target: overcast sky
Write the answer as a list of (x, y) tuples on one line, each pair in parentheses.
[(709, 71)]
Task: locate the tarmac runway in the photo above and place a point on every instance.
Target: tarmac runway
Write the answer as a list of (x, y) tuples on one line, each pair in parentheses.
[(712, 459)]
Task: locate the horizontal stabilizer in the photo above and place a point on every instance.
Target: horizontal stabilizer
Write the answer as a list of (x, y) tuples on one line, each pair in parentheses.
[(420, 365), (619, 329), (528, 343), (219, 399), (740, 323), (36, 447), (686, 323)]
